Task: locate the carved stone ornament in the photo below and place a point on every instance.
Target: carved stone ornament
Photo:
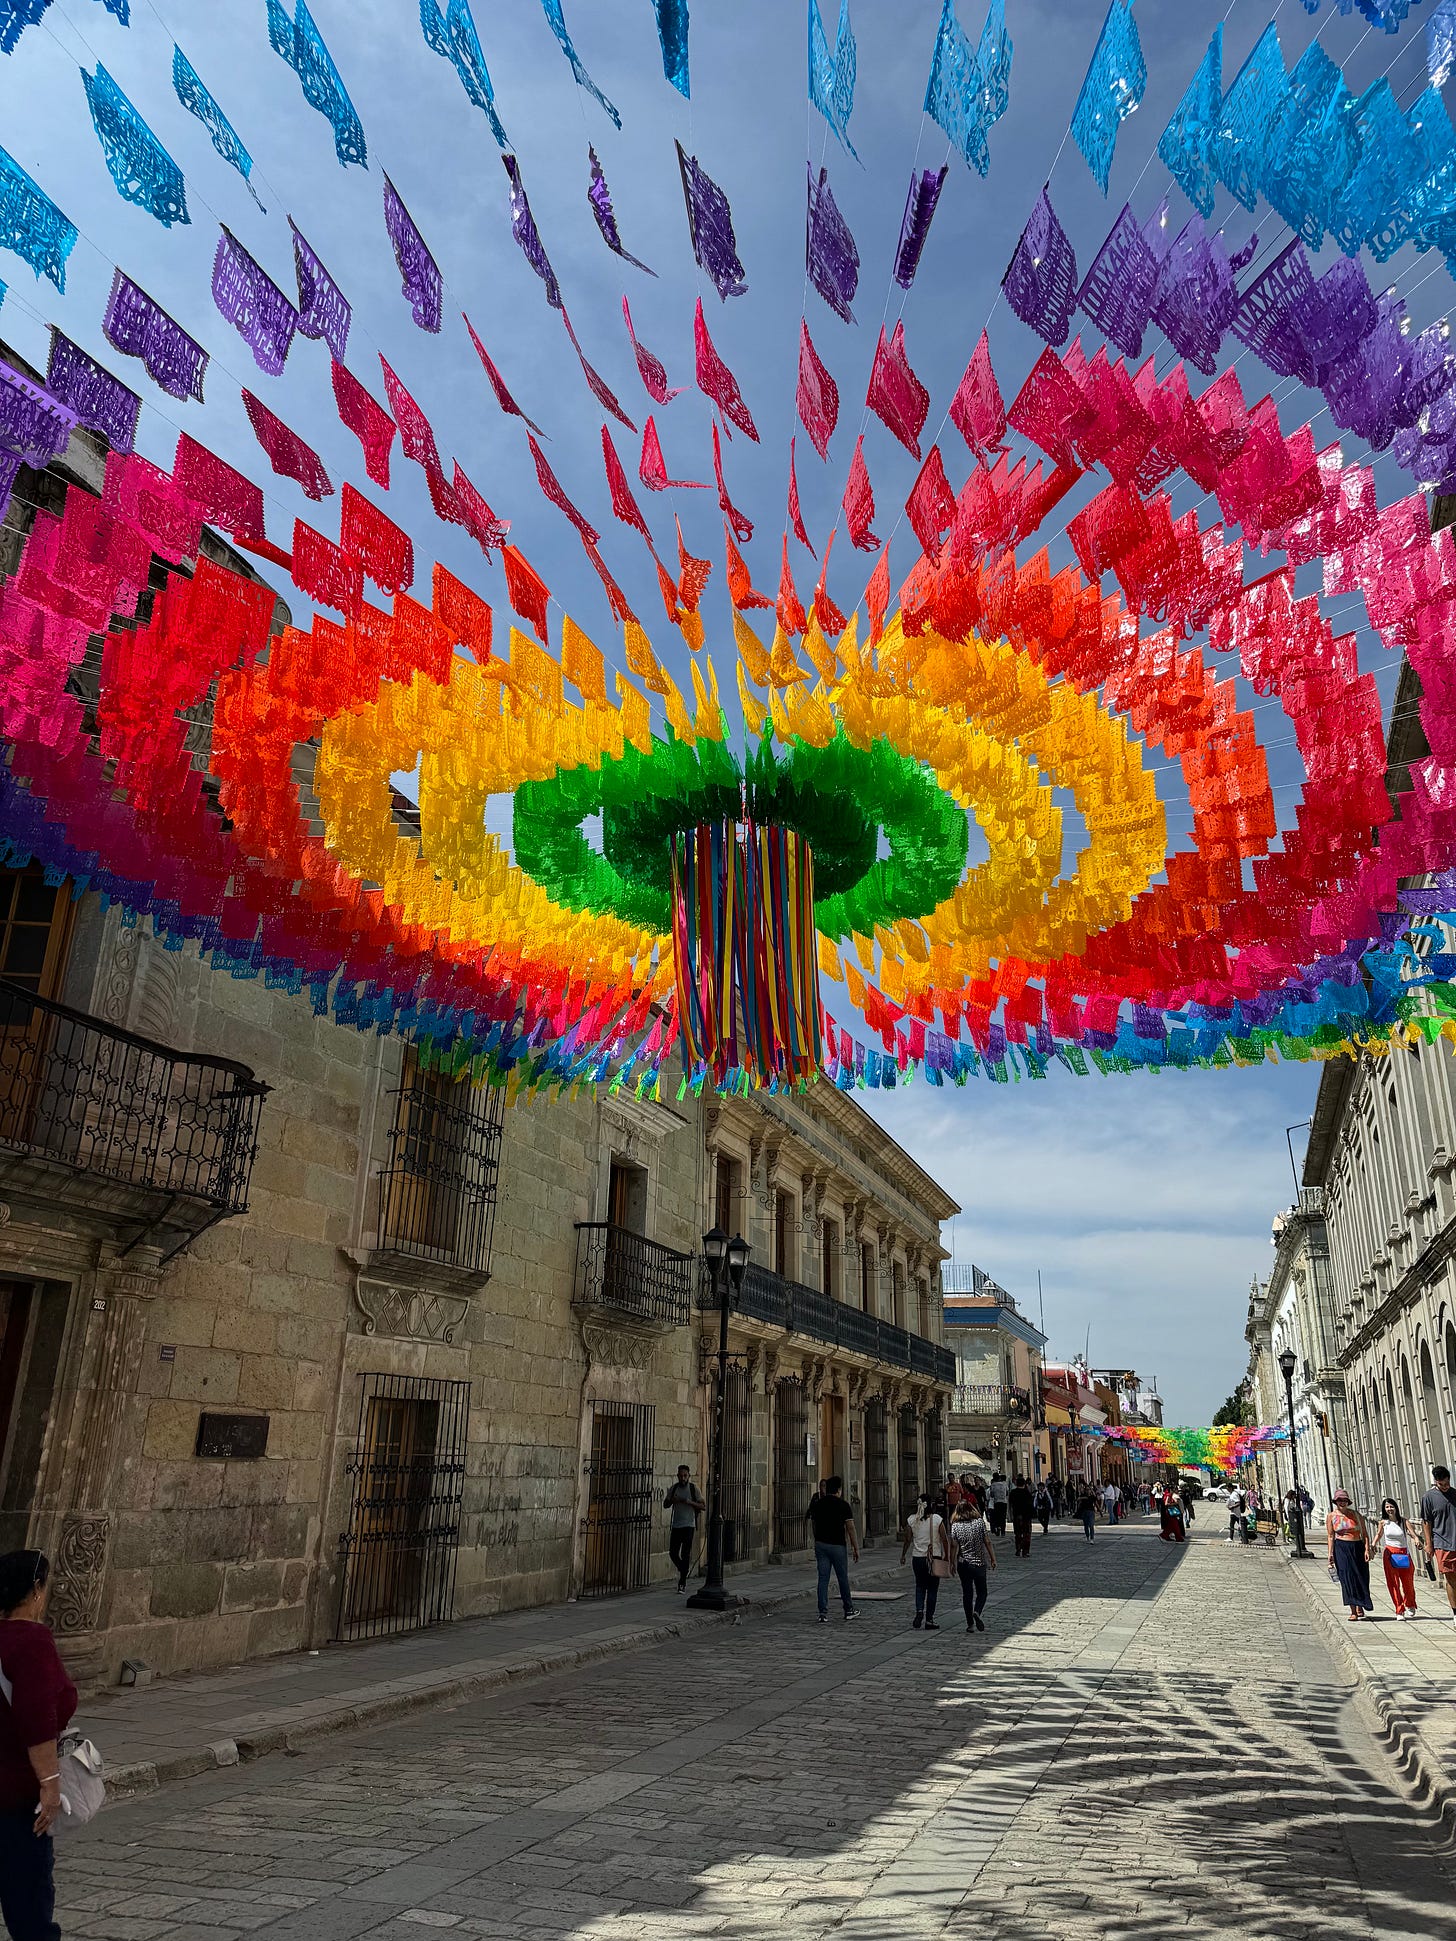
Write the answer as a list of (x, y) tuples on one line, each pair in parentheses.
[(118, 977), (617, 1347), (770, 1369), (80, 1574), (4, 1214), (409, 1313)]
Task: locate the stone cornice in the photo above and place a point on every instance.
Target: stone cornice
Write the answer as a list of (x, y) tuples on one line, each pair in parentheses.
[(1432, 1257)]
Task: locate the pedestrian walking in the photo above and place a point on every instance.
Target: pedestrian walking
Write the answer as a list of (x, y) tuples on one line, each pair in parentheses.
[(1438, 1518), (952, 1491), (687, 1505), (1347, 1543), (924, 1542), (37, 1700), (1021, 1504), (1109, 1502), (1000, 1491), (1087, 1510), (835, 1541), (972, 1549), (1042, 1504), (1237, 1505), (1185, 1496), (1392, 1539), (1172, 1518)]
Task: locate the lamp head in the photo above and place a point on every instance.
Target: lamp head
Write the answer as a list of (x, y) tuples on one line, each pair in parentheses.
[(715, 1248), (1287, 1363), (738, 1252)]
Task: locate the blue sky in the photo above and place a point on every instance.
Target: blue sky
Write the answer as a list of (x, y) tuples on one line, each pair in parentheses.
[(1146, 1202)]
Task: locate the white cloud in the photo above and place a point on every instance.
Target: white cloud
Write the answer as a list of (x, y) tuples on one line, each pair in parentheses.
[(1145, 1202)]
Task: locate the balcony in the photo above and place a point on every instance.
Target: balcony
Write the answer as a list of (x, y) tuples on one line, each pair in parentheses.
[(152, 1144), (768, 1298), (624, 1271), (1002, 1401)]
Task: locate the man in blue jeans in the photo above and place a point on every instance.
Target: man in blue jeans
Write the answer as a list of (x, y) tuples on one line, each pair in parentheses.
[(835, 1541)]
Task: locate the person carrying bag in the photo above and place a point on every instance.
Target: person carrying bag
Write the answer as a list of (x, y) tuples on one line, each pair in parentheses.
[(40, 1788), (923, 1540)]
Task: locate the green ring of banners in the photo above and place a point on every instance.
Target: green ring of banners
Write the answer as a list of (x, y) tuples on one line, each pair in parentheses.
[(839, 798)]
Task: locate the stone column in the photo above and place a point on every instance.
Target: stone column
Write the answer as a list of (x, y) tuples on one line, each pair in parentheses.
[(97, 1408)]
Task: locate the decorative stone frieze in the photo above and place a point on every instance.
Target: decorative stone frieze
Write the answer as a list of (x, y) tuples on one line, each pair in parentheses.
[(409, 1313)]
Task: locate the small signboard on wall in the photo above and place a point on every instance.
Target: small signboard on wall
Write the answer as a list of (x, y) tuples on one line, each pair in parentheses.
[(811, 1450), (232, 1438)]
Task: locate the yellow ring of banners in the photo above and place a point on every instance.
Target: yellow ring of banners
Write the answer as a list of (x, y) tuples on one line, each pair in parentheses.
[(996, 734)]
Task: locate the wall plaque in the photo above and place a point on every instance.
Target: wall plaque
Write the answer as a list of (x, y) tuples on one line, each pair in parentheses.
[(235, 1438)]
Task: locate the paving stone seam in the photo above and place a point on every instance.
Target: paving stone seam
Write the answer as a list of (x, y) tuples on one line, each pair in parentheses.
[(1421, 1768), (323, 1719)]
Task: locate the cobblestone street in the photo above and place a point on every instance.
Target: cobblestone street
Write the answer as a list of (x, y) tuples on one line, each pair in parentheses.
[(1145, 1740)]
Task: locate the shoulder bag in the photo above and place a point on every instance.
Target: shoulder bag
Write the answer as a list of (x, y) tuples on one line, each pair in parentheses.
[(83, 1788), (940, 1563)]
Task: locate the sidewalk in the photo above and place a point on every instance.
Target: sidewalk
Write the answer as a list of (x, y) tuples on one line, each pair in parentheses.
[(181, 1726), (1405, 1673)]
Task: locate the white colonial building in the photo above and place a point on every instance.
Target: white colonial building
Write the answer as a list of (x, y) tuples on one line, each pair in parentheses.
[(1382, 1151), (1294, 1309)]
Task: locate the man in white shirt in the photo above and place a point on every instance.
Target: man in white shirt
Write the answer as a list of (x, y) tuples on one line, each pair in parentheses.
[(1000, 1494), (1236, 1509), (1111, 1496)]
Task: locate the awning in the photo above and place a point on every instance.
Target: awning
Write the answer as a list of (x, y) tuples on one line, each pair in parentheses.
[(1057, 1418)]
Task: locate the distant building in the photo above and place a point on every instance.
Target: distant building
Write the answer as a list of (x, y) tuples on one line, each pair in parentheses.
[(996, 1408)]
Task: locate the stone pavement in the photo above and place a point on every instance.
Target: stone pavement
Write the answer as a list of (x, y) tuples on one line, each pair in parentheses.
[(1146, 1740), (178, 1727), (1406, 1672)]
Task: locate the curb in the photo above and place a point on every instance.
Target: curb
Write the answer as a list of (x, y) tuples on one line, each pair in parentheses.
[(134, 1780), (1421, 1768)]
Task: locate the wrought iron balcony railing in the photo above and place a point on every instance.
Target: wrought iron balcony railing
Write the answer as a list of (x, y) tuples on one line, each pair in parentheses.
[(437, 1193), (991, 1399), (107, 1103), (621, 1269), (797, 1309)]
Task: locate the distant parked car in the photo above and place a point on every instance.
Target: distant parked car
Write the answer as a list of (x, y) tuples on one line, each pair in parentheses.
[(1218, 1493)]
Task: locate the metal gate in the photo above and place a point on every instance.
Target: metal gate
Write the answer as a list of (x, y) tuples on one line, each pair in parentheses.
[(880, 1518), (620, 1495), (397, 1559), (909, 1454), (791, 1464), (739, 1524)]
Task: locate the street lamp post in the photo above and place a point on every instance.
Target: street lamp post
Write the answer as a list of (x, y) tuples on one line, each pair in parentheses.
[(1286, 1367), (727, 1263)]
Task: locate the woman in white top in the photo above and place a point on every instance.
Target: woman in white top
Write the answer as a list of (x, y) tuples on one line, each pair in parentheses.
[(923, 1541), (1393, 1543)]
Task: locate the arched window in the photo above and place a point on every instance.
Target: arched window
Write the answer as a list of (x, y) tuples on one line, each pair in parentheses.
[(1435, 1426)]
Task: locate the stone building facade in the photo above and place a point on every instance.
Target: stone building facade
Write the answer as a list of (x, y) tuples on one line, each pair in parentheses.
[(1381, 1156), (996, 1408), (838, 1365), (1295, 1309), (300, 1340)]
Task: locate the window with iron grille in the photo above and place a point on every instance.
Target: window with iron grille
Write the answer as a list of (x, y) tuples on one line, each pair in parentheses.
[(909, 1454), (437, 1191), (879, 1512), (791, 1464)]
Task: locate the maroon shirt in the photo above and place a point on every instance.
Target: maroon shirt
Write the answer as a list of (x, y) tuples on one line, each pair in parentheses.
[(42, 1700)]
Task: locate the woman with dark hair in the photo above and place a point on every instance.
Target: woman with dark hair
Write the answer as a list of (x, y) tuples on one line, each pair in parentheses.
[(36, 1706), (924, 1542), (1392, 1539), (1347, 1544)]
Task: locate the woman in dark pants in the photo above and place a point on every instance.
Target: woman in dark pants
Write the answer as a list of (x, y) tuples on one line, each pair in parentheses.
[(970, 1542), (41, 1699)]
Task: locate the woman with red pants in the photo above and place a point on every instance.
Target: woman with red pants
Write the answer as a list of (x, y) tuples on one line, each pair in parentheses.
[(1400, 1568)]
